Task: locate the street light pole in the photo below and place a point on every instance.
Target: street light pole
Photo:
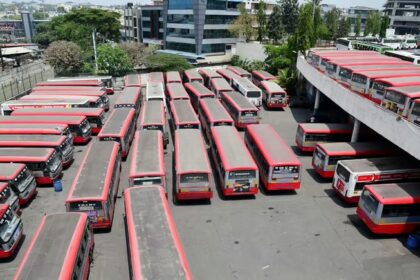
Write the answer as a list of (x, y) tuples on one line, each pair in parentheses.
[(94, 49)]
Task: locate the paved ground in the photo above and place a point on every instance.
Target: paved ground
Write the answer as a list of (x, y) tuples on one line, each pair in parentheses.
[(309, 234)]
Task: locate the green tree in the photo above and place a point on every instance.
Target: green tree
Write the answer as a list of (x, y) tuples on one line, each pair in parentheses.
[(65, 57), (289, 13), (275, 25), (332, 19), (304, 35), (277, 57), (242, 26), (358, 25), (40, 15), (385, 21), (262, 21), (138, 52), (373, 24), (112, 60), (167, 62), (324, 32), (344, 26)]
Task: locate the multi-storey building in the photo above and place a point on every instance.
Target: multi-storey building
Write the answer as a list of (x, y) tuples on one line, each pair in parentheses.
[(354, 12), (405, 16)]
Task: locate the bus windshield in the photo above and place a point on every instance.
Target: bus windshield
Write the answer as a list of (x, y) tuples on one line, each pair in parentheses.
[(85, 126), (6, 230), (345, 73), (319, 154), (195, 178), (147, 181), (253, 94), (54, 162), (343, 173), (416, 109), (5, 194), (395, 97), (359, 79), (242, 174), (379, 86), (22, 180), (370, 202)]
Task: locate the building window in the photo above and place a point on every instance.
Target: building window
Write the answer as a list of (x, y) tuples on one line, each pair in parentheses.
[(184, 19), (146, 23), (180, 5), (216, 4), (217, 19), (180, 32), (183, 47), (213, 48), (217, 33)]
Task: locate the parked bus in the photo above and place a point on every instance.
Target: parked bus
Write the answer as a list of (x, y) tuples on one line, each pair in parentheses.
[(352, 175), (62, 248), (61, 144), (318, 58), (192, 75), (227, 74), (220, 86), (236, 169), (153, 118), (361, 81), (197, 91), (20, 180), (241, 110), (325, 58), (44, 163), (176, 91), (390, 208), (93, 101), (173, 77), (308, 135), (404, 55), (78, 125), (120, 127), (249, 90), (239, 71), (155, 91), (326, 155), (379, 86), (371, 46), (148, 162), (209, 75), (156, 77), (183, 115), (97, 197), (9, 197), (148, 205), (259, 75), (72, 83), (8, 107), (211, 114), (414, 112), (133, 80), (106, 81), (94, 116), (36, 129), (129, 98), (11, 231), (400, 99), (343, 44), (394, 43), (273, 95), (279, 168)]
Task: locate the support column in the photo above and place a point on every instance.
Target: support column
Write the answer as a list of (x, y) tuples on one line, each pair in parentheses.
[(356, 129), (316, 105)]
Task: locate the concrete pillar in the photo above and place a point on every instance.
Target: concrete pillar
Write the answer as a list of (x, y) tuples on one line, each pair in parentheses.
[(356, 129), (316, 105)]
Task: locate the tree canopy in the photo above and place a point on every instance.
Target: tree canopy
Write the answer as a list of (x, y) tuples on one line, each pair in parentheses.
[(65, 57), (113, 60), (167, 62), (289, 13), (242, 26)]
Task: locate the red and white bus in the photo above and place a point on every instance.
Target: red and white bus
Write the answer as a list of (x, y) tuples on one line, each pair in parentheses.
[(259, 75), (308, 135), (72, 83), (192, 75), (36, 129), (183, 115), (120, 127), (400, 99), (220, 86), (361, 81), (153, 118), (96, 197), (61, 144), (11, 231), (134, 80), (9, 197), (198, 91), (192, 170), (93, 101), (242, 111), (321, 63), (326, 155), (94, 116), (106, 82), (20, 179), (155, 77), (209, 75), (78, 125), (379, 86), (279, 168), (148, 162), (352, 175), (414, 112), (227, 74), (390, 208), (211, 114), (148, 205), (65, 242), (176, 91), (274, 96), (129, 98), (44, 163), (236, 169), (239, 71), (173, 77), (8, 107)]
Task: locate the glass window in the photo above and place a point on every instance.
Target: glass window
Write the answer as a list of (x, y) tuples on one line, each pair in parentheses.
[(395, 97), (343, 173), (370, 202), (184, 47), (218, 19), (180, 5), (146, 23), (185, 19), (181, 32), (145, 13), (359, 79), (213, 48), (416, 109), (216, 4), (219, 33)]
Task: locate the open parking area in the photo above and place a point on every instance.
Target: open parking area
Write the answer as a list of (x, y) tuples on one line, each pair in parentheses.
[(308, 234)]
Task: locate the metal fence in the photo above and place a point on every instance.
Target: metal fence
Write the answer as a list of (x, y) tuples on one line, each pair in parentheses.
[(21, 84)]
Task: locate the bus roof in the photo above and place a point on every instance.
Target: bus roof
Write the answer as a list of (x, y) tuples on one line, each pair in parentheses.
[(354, 148), (400, 193), (155, 89), (264, 75), (247, 84), (409, 91), (96, 90), (199, 89), (66, 93), (226, 73), (43, 119), (325, 127), (173, 76), (59, 111), (155, 77), (240, 101), (238, 70), (211, 74), (41, 102), (177, 91), (147, 205), (370, 61), (9, 171), (27, 154), (272, 86), (379, 67), (187, 140), (221, 84), (148, 154), (387, 74), (215, 110), (153, 112), (380, 164), (400, 81), (18, 128), (183, 111), (133, 80), (53, 247), (14, 140), (68, 98), (232, 150), (98, 162), (94, 83), (118, 121), (129, 95), (193, 74), (274, 149)]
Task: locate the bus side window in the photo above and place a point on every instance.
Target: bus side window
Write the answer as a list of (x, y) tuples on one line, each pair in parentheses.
[(396, 211), (359, 186)]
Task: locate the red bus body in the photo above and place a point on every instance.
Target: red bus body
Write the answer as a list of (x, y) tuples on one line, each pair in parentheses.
[(20, 179), (41, 129), (259, 75), (155, 77), (211, 114), (94, 101), (173, 77), (380, 85), (197, 91), (274, 96), (183, 115), (176, 91), (220, 86), (7, 215), (400, 99), (242, 111), (192, 75), (130, 98), (227, 74), (209, 75), (9, 197), (133, 80), (239, 71)]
